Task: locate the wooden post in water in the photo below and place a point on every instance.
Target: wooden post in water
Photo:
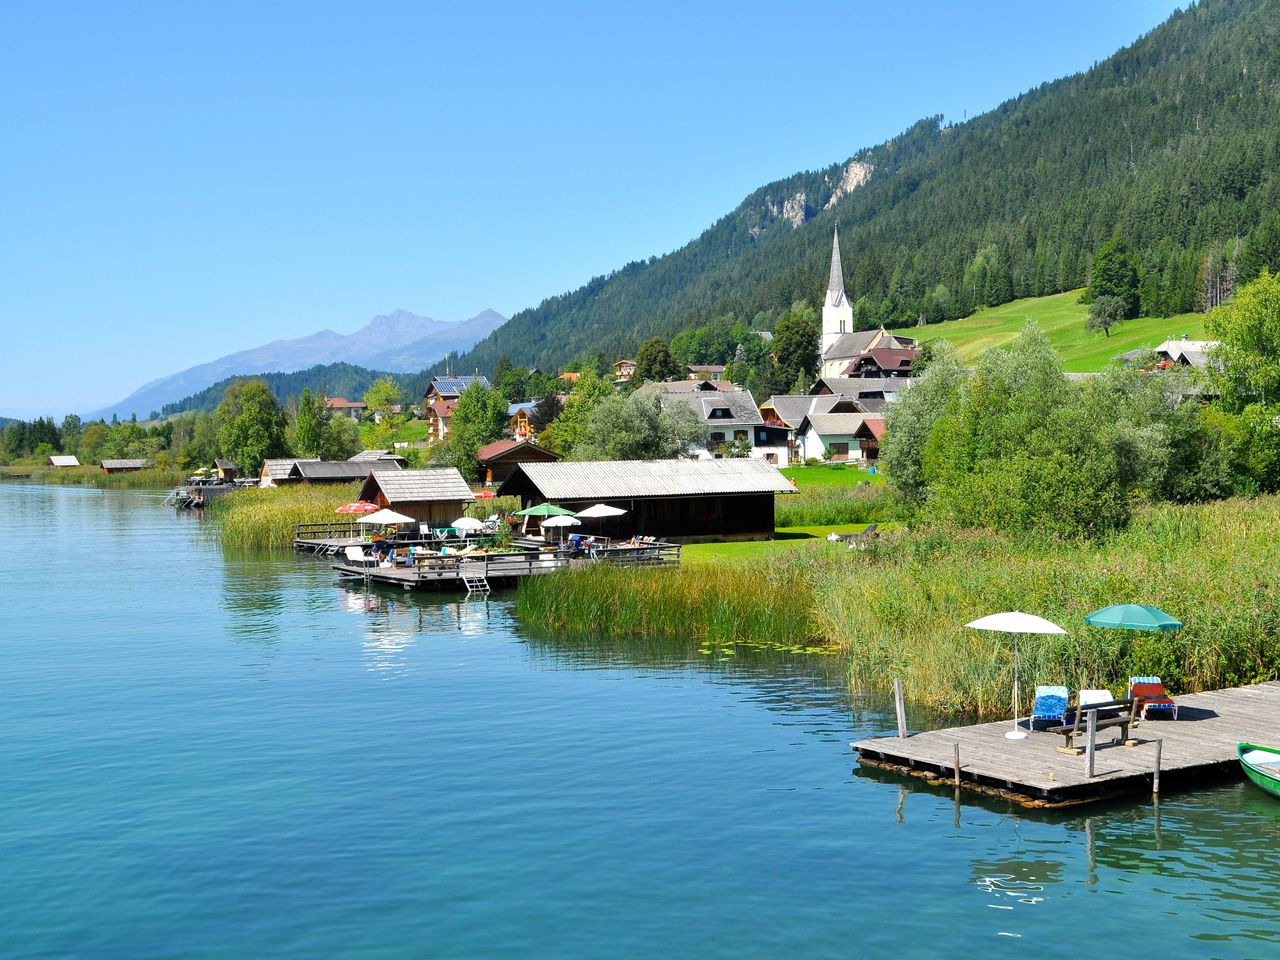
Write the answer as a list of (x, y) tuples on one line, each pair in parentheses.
[(900, 707), (1155, 780), (957, 758), (1092, 745)]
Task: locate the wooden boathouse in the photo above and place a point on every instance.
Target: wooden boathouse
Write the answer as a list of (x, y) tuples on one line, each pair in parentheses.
[(674, 500), (1196, 748), (438, 496)]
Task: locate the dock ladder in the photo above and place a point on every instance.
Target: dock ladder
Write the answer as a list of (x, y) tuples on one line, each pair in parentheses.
[(477, 584)]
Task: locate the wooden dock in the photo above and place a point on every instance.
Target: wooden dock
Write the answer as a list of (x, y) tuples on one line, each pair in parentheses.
[(484, 569), (1196, 748)]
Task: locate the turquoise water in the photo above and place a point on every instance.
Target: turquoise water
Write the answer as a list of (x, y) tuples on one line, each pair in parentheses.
[(238, 756)]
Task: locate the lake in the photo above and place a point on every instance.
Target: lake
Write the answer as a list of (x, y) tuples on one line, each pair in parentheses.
[(236, 755)]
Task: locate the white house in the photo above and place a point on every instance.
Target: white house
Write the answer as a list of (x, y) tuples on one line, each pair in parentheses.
[(840, 437), (730, 416)]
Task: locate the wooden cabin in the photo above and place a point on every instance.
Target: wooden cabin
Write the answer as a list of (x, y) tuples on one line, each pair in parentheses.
[(438, 496), (681, 500), (225, 470), (124, 466), (63, 460), (338, 471), (499, 458)]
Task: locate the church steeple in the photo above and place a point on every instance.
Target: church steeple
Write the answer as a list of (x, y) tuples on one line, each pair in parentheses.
[(837, 314), (835, 286)]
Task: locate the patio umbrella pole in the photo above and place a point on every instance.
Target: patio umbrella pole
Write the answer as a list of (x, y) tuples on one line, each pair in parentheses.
[(1015, 733)]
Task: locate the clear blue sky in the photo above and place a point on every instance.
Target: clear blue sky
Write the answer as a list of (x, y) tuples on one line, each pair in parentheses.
[(181, 180)]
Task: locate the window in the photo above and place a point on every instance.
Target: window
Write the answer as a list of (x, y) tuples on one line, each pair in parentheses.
[(740, 435), (720, 413), (717, 438)]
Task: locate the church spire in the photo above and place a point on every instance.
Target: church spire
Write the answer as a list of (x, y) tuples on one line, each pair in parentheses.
[(835, 286)]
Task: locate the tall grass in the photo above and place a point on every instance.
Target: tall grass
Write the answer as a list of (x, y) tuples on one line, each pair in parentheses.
[(153, 478), (255, 517), (900, 611), (898, 608), (738, 604), (830, 504)]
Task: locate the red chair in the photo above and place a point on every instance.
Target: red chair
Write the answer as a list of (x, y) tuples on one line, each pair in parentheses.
[(1153, 695)]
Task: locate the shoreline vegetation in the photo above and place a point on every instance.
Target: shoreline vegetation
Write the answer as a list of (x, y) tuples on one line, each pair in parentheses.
[(897, 609), (157, 478)]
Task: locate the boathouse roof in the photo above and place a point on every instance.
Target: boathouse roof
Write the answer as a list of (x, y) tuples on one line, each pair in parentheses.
[(279, 469), (63, 460), (340, 469), (124, 464), (409, 486), (623, 479)]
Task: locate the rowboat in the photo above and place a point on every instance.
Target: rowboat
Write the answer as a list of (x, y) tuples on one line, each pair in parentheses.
[(1261, 765)]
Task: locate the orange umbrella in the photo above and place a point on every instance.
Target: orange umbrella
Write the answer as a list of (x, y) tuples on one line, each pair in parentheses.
[(359, 506)]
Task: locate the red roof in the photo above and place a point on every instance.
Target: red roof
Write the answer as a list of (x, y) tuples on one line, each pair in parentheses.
[(875, 425), (341, 403), (491, 450), (442, 408)]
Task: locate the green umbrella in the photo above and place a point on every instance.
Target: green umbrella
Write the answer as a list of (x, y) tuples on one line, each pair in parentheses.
[(544, 510), (1132, 616)]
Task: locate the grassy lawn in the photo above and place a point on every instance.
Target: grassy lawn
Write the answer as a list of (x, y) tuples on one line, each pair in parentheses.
[(784, 539), (1062, 319), (413, 431), (830, 475)]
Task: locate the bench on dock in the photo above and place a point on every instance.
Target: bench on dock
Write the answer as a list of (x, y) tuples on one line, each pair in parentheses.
[(1111, 713)]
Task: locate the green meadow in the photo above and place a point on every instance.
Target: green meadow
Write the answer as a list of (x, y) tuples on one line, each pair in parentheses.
[(1062, 318)]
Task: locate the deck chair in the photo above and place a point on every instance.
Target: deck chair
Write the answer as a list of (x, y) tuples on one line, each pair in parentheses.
[(357, 556), (1098, 696), (1050, 705), (1157, 700)]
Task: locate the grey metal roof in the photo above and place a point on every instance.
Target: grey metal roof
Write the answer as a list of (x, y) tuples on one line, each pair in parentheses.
[(660, 387), (281, 468), (222, 464), (340, 469), (837, 424), (63, 460), (415, 486), (855, 344), (739, 403), (792, 408), (369, 455), (623, 479), (125, 464), (858, 386)]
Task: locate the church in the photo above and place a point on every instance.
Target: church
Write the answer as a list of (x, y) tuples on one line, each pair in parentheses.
[(842, 346)]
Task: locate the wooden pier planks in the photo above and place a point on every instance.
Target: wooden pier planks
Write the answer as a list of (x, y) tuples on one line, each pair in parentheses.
[(1199, 745)]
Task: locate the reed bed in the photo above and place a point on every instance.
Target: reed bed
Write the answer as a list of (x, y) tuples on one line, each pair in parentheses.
[(154, 478), (831, 504), (740, 603), (900, 611), (265, 518)]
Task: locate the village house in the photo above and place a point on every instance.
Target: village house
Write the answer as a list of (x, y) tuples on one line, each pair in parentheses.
[(705, 371), (871, 394), (1186, 353), (438, 496), (519, 422), (789, 410), (623, 371), (683, 500), (437, 415), (730, 417), (450, 387), (63, 460), (351, 409), (569, 378), (882, 363), (840, 437), (499, 458)]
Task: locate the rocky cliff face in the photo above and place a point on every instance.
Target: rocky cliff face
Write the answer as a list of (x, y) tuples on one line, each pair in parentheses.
[(855, 175)]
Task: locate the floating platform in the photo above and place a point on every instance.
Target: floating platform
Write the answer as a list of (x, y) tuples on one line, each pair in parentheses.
[(1194, 749), (481, 570)]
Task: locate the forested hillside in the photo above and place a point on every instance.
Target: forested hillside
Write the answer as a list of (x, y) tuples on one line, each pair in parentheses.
[(1173, 143), (330, 379)]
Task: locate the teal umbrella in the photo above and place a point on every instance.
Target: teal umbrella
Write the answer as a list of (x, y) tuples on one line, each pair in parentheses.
[(1132, 616), (544, 510)]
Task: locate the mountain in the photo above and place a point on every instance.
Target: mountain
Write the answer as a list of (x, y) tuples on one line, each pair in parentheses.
[(1173, 142), (399, 342)]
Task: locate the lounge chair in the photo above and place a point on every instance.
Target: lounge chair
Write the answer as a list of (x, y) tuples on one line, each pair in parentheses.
[(858, 541), (1152, 692), (357, 556), (1050, 705), (1098, 696)]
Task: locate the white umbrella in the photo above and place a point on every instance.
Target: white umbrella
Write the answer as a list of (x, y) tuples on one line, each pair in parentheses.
[(386, 518), (468, 523), (1015, 622), (600, 510), (561, 522)]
